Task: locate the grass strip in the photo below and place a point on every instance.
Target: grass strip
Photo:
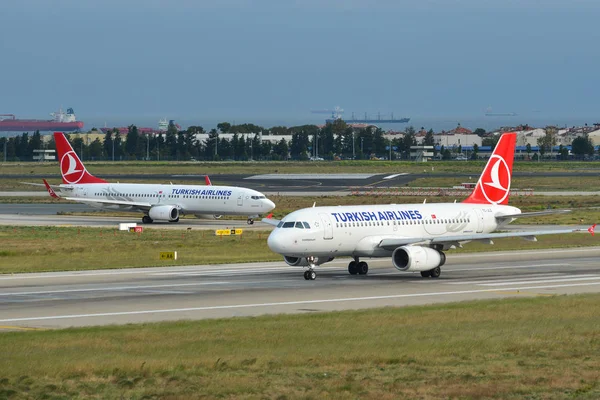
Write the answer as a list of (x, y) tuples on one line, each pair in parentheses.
[(39, 249), (536, 348)]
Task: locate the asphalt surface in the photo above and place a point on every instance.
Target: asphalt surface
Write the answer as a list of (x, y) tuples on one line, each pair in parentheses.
[(84, 298)]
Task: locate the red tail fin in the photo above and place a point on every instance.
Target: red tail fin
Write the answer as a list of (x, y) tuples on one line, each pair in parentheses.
[(71, 168), (207, 180), (493, 186)]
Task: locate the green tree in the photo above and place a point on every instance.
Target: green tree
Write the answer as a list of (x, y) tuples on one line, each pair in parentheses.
[(108, 144), (582, 146), (281, 150), (429, 139), (547, 141), (131, 141), (224, 127), (475, 151)]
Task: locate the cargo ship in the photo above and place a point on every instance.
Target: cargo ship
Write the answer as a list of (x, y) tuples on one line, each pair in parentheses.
[(60, 122)]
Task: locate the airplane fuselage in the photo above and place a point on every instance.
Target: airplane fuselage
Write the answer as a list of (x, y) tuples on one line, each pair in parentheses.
[(189, 199), (357, 230)]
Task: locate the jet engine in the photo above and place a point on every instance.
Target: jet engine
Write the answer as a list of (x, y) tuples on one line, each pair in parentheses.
[(303, 262), (417, 258), (164, 213)]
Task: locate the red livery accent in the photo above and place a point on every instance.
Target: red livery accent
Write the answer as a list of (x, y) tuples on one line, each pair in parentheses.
[(51, 191), (591, 229), (207, 180), (493, 186), (71, 168)]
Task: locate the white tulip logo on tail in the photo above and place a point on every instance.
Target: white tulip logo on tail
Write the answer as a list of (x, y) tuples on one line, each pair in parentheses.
[(71, 168), (495, 182)]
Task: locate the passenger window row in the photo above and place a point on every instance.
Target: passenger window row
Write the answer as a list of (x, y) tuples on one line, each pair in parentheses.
[(409, 222)]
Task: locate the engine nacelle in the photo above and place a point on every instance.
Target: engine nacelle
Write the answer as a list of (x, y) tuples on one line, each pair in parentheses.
[(207, 216), (303, 262), (417, 258), (164, 213)]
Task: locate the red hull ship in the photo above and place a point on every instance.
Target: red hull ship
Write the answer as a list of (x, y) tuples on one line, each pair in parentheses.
[(61, 122)]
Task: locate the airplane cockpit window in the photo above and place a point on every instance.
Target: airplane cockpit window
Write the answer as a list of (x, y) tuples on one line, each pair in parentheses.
[(257, 197), (280, 224), (299, 225), (289, 224), (306, 225)]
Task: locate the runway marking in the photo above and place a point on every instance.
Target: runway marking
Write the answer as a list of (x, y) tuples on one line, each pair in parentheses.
[(395, 175), (507, 267), (516, 279), (111, 288), (542, 281), (288, 303)]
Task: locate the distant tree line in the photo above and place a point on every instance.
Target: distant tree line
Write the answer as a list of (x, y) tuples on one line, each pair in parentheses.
[(334, 141)]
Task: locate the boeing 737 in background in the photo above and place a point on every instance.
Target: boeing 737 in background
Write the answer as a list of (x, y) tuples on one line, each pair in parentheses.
[(158, 202), (415, 236)]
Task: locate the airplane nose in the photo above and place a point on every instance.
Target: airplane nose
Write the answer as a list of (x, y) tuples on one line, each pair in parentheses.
[(269, 205), (275, 242)]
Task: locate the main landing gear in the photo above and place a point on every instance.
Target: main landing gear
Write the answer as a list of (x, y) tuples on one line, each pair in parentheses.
[(147, 220), (358, 267), (250, 221), (432, 273)]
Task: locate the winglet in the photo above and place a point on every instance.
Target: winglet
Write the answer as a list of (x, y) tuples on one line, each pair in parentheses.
[(207, 180), (270, 216), (51, 191), (591, 229)]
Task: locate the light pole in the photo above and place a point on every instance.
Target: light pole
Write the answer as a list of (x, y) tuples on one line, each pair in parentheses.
[(148, 147), (353, 154), (158, 148), (113, 149)]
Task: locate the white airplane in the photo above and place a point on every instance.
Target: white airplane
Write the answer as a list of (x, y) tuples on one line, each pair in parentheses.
[(164, 203), (415, 236)]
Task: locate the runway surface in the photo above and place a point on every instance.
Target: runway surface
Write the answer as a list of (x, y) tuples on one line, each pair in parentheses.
[(58, 300)]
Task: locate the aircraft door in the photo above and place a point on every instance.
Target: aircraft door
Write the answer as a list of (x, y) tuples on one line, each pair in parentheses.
[(479, 217), (240, 201), (327, 226)]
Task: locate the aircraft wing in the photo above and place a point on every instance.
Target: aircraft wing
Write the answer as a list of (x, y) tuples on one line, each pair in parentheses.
[(532, 214), (139, 204), (270, 220), (390, 244)]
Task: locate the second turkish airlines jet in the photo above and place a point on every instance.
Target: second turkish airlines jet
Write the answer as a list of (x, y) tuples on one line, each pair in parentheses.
[(158, 202), (415, 236)]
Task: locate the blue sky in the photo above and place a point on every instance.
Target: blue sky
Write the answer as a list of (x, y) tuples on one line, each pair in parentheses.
[(245, 60)]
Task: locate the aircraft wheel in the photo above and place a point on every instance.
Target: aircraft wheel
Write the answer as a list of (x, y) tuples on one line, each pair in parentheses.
[(425, 274), (312, 275), (352, 268), (146, 220), (306, 275), (363, 268), (436, 272), (250, 221)]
